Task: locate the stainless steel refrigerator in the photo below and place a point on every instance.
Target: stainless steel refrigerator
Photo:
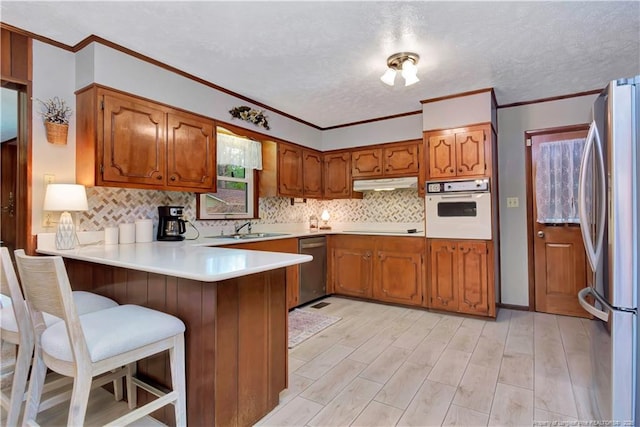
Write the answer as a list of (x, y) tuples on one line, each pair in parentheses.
[(609, 202)]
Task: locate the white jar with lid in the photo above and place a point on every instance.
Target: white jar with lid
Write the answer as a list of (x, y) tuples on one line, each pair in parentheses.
[(313, 223)]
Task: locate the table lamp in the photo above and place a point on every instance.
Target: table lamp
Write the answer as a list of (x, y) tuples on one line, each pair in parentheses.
[(65, 198), (325, 218)]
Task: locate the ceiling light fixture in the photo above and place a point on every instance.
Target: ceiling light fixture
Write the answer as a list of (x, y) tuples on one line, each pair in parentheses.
[(404, 62)]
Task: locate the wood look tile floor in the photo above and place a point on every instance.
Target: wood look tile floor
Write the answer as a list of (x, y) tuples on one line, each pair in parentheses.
[(384, 365)]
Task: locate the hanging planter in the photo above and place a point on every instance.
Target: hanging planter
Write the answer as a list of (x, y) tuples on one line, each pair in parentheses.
[(56, 133), (56, 113)]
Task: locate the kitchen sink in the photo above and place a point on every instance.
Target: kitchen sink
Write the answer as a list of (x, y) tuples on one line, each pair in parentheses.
[(246, 236)]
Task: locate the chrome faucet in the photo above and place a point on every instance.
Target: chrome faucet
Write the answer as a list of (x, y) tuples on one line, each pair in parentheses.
[(237, 228)]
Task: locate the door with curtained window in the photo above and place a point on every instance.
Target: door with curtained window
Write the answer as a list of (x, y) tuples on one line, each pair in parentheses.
[(560, 267)]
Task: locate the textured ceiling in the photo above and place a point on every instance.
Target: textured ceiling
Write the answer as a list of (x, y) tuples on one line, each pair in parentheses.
[(321, 61)]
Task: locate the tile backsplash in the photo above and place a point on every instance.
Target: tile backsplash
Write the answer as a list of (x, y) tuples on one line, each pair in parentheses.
[(110, 206)]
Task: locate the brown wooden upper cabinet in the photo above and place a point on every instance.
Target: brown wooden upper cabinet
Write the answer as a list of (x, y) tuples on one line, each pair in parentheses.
[(462, 152), (290, 176), (312, 174), (126, 141), (395, 159), (16, 54), (299, 171), (337, 175)]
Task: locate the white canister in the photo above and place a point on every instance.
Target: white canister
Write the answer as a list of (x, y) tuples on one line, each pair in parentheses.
[(111, 235), (144, 231), (127, 233)]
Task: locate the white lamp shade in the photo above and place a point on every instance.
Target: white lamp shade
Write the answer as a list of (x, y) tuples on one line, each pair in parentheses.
[(325, 215), (65, 197), (409, 71), (389, 76)]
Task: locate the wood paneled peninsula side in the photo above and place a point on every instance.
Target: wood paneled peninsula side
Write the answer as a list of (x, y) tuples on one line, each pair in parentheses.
[(233, 303)]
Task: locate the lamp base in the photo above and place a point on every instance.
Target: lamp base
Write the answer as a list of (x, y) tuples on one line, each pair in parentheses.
[(325, 227), (66, 232)]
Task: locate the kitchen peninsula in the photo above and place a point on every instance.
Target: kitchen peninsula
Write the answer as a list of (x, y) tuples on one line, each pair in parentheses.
[(233, 303)]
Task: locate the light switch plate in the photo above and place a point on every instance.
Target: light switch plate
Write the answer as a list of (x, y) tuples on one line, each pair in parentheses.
[(513, 202)]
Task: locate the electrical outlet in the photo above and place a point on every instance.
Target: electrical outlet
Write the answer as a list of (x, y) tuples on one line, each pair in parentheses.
[(49, 178), (513, 202), (49, 219)]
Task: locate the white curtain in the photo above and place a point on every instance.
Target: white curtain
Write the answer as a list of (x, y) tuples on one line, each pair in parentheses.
[(233, 150), (557, 175)]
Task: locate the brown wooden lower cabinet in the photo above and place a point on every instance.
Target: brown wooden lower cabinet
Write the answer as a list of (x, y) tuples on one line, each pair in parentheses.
[(235, 339), (399, 270), (289, 246), (389, 269), (461, 276)]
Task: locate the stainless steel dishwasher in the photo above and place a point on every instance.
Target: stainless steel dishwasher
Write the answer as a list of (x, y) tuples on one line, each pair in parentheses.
[(313, 274)]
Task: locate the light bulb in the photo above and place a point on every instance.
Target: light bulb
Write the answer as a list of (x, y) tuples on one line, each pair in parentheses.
[(389, 76), (409, 71)]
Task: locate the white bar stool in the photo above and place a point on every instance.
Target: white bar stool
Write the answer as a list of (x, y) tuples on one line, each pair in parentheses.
[(85, 346), (16, 329)]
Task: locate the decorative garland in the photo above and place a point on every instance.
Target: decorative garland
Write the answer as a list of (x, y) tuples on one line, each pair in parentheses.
[(247, 114)]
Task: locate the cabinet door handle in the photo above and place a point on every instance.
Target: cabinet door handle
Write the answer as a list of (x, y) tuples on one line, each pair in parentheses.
[(173, 178), (159, 177), (459, 169), (451, 170)]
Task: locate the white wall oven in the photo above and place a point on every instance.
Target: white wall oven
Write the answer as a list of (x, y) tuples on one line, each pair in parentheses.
[(458, 209)]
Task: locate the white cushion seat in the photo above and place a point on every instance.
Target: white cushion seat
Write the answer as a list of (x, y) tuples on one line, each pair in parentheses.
[(86, 302), (113, 331)]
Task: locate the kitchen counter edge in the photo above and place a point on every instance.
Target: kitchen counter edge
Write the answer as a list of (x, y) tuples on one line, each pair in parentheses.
[(181, 259)]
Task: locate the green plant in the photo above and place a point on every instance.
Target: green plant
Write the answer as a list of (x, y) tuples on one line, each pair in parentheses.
[(55, 110)]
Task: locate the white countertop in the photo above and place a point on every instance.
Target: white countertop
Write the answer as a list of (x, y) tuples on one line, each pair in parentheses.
[(199, 259), (208, 238), (179, 259)]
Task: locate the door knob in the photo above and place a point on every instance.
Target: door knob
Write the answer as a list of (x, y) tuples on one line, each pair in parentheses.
[(540, 234)]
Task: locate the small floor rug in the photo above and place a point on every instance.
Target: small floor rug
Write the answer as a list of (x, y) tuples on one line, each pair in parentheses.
[(305, 324)]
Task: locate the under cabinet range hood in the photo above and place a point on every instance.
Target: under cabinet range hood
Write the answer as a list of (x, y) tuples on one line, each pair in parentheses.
[(385, 184)]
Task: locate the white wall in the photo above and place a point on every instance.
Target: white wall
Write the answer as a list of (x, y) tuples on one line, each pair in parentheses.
[(512, 124), (457, 112), (397, 129), (115, 69), (53, 75)]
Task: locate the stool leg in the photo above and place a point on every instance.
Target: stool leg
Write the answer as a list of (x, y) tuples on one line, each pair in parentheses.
[(79, 398), (132, 391), (117, 389), (36, 383), (176, 358), (20, 375)]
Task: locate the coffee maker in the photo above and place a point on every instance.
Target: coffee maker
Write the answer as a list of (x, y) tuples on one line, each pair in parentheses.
[(171, 226)]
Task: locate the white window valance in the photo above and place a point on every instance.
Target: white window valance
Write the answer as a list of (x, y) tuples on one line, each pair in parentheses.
[(233, 150), (557, 175)]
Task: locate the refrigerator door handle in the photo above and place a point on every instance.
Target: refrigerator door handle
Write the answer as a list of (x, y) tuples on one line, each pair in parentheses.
[(593, 251), (582, 298)]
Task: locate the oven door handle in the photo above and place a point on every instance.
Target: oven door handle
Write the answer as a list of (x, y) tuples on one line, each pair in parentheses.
[(457, 196)]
